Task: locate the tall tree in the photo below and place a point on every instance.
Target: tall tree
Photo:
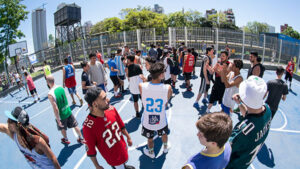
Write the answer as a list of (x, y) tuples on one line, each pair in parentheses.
[(289, 31), (12, 12), (256, 27)]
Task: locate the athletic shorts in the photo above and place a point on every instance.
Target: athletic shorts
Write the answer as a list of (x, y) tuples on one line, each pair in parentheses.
[(115, 80), (69, 122), (122, 77), (122, 166), (203, 86), (33, 91), (288, 76), (102, 86), (150, 133), (169, 81), (225, 109), (72, 90), (187, 76), (135, 97), (217, 93)]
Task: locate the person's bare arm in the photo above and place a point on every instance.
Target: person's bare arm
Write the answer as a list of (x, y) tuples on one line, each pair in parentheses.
[(95, 162), (143, 77), (183, 64), (236, 82), (64, 76), (55, 109), (283, 97), (205, 71), (42, 145), (256, 71), (4, 129), (125, 133), (73, 69), (169, 92), (242, 107)]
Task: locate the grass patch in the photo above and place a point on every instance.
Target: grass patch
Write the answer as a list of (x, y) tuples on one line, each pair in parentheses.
[(34, 74)]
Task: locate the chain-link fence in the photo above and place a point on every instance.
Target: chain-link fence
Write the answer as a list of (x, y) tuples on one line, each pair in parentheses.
[(273, 49)]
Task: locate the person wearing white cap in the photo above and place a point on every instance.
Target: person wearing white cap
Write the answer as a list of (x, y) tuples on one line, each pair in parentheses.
[(31, 142), (250, 133)]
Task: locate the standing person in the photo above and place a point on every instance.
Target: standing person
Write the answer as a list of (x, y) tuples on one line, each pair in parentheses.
[(114, 75), (137, 58), (213, 132), (99, 57), (70, 60), (149, 62), (18, 80), (69, 81), (85, 81), (47, 71), (205, 75), (62, 111), (103, 128), (135, 77), (155, 97), (188, 65), (97, 72), (119, 60), (175, 69), (277, 90), (182, 53), (24, 80), (152, 52), (159, 52), (195, 54), (218, 88), (250, 133), (203, 47), (232, 81), (31, 87), (168, 65), (289, 72), (30, 140), (125, 51), (256, 68)]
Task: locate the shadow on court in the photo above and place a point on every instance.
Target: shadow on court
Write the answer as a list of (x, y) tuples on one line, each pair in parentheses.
[(202, 110), (133, 125), (294, 93), (265, 156), (188, 94), (157, 163), (66, 152), (44, 99), (73, 106)]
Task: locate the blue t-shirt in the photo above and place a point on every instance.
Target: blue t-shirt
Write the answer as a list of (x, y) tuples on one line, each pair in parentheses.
[(210, 161), (112, 63), (69, 71)]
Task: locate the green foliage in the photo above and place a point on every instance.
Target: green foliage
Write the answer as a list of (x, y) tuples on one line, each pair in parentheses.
[(12, 12), (289, 31), (256, 27), (51, 40), (113, 24), (214, 19)]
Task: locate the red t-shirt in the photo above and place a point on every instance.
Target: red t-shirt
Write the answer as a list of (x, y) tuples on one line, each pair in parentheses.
[(30, 83), (99, 56), (290, 67), (189, 64), (105, 134)]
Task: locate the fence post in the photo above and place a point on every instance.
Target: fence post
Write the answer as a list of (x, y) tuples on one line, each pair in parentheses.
[(243, 47), (280, 51), (138, 36), (154, 36), (170, 36), (101, 44), (70, 50), (83, 48), (124, 36), (264, 49), (297, 66), (59, 53), (217, 41), (185, 35)]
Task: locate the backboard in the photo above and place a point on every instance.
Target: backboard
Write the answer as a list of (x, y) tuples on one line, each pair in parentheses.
[(18, 48)]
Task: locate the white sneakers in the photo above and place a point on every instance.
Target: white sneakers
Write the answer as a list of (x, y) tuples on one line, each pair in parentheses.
[(147, 153)]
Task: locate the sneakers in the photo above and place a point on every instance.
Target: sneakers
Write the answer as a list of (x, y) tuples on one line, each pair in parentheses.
[(147, 153), (196, 105), (81, 141), (65, 141), (166, 150), (81, 102), (204, 101)]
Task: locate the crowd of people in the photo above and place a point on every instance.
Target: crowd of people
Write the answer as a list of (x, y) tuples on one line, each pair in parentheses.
[(255, 100)]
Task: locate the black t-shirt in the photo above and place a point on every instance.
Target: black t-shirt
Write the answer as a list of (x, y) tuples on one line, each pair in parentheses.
[(276, 89), (195, 56), (262, 69), (159, 53), (85, 78), (134, 70)]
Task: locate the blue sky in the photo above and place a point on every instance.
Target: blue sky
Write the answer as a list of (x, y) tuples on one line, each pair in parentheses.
[(273, 12)]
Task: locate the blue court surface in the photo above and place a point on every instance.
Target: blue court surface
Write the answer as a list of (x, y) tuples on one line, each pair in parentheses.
[(280, 150)]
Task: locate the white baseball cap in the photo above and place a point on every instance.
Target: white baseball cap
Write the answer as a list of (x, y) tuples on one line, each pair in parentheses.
[(252, 92)]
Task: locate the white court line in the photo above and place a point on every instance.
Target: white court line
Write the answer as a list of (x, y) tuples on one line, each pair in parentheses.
[(287, 131), (252, 166), (14, 102), (75, 115), (285, 119), (84, 156), (40, 112)]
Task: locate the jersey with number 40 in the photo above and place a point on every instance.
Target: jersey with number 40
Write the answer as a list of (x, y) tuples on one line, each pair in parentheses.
[(105, 134), (154, 98)]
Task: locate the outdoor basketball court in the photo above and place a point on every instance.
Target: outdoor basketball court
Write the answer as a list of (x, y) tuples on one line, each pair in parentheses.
[(280, 150)]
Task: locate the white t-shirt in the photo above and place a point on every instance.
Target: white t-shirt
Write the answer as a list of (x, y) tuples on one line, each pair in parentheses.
[(229, 92), (168, 71)]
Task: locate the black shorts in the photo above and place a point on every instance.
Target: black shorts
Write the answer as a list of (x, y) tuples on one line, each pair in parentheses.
[(122, 77), (69, 122), (203, 86), (150, 133), (187, 76), (217, 93), (33, 91), (115, 80), (288, 76), (169, 81), (136, 97)]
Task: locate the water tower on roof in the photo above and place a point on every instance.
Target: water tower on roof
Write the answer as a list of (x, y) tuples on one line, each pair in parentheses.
[(67, 20)]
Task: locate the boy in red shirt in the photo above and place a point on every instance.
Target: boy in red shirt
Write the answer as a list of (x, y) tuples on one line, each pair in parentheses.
[(188, 67), (103, 128), (289, 72), (31, 87)]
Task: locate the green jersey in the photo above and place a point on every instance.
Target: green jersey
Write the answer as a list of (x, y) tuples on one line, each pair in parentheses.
[(61, 100), (247, 138), (47, 70)]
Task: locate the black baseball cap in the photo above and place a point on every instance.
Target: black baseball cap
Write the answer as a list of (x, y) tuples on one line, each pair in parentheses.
[(19, 115)]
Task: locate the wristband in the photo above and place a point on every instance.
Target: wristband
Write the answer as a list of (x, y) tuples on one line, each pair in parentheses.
[(240, 103)]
